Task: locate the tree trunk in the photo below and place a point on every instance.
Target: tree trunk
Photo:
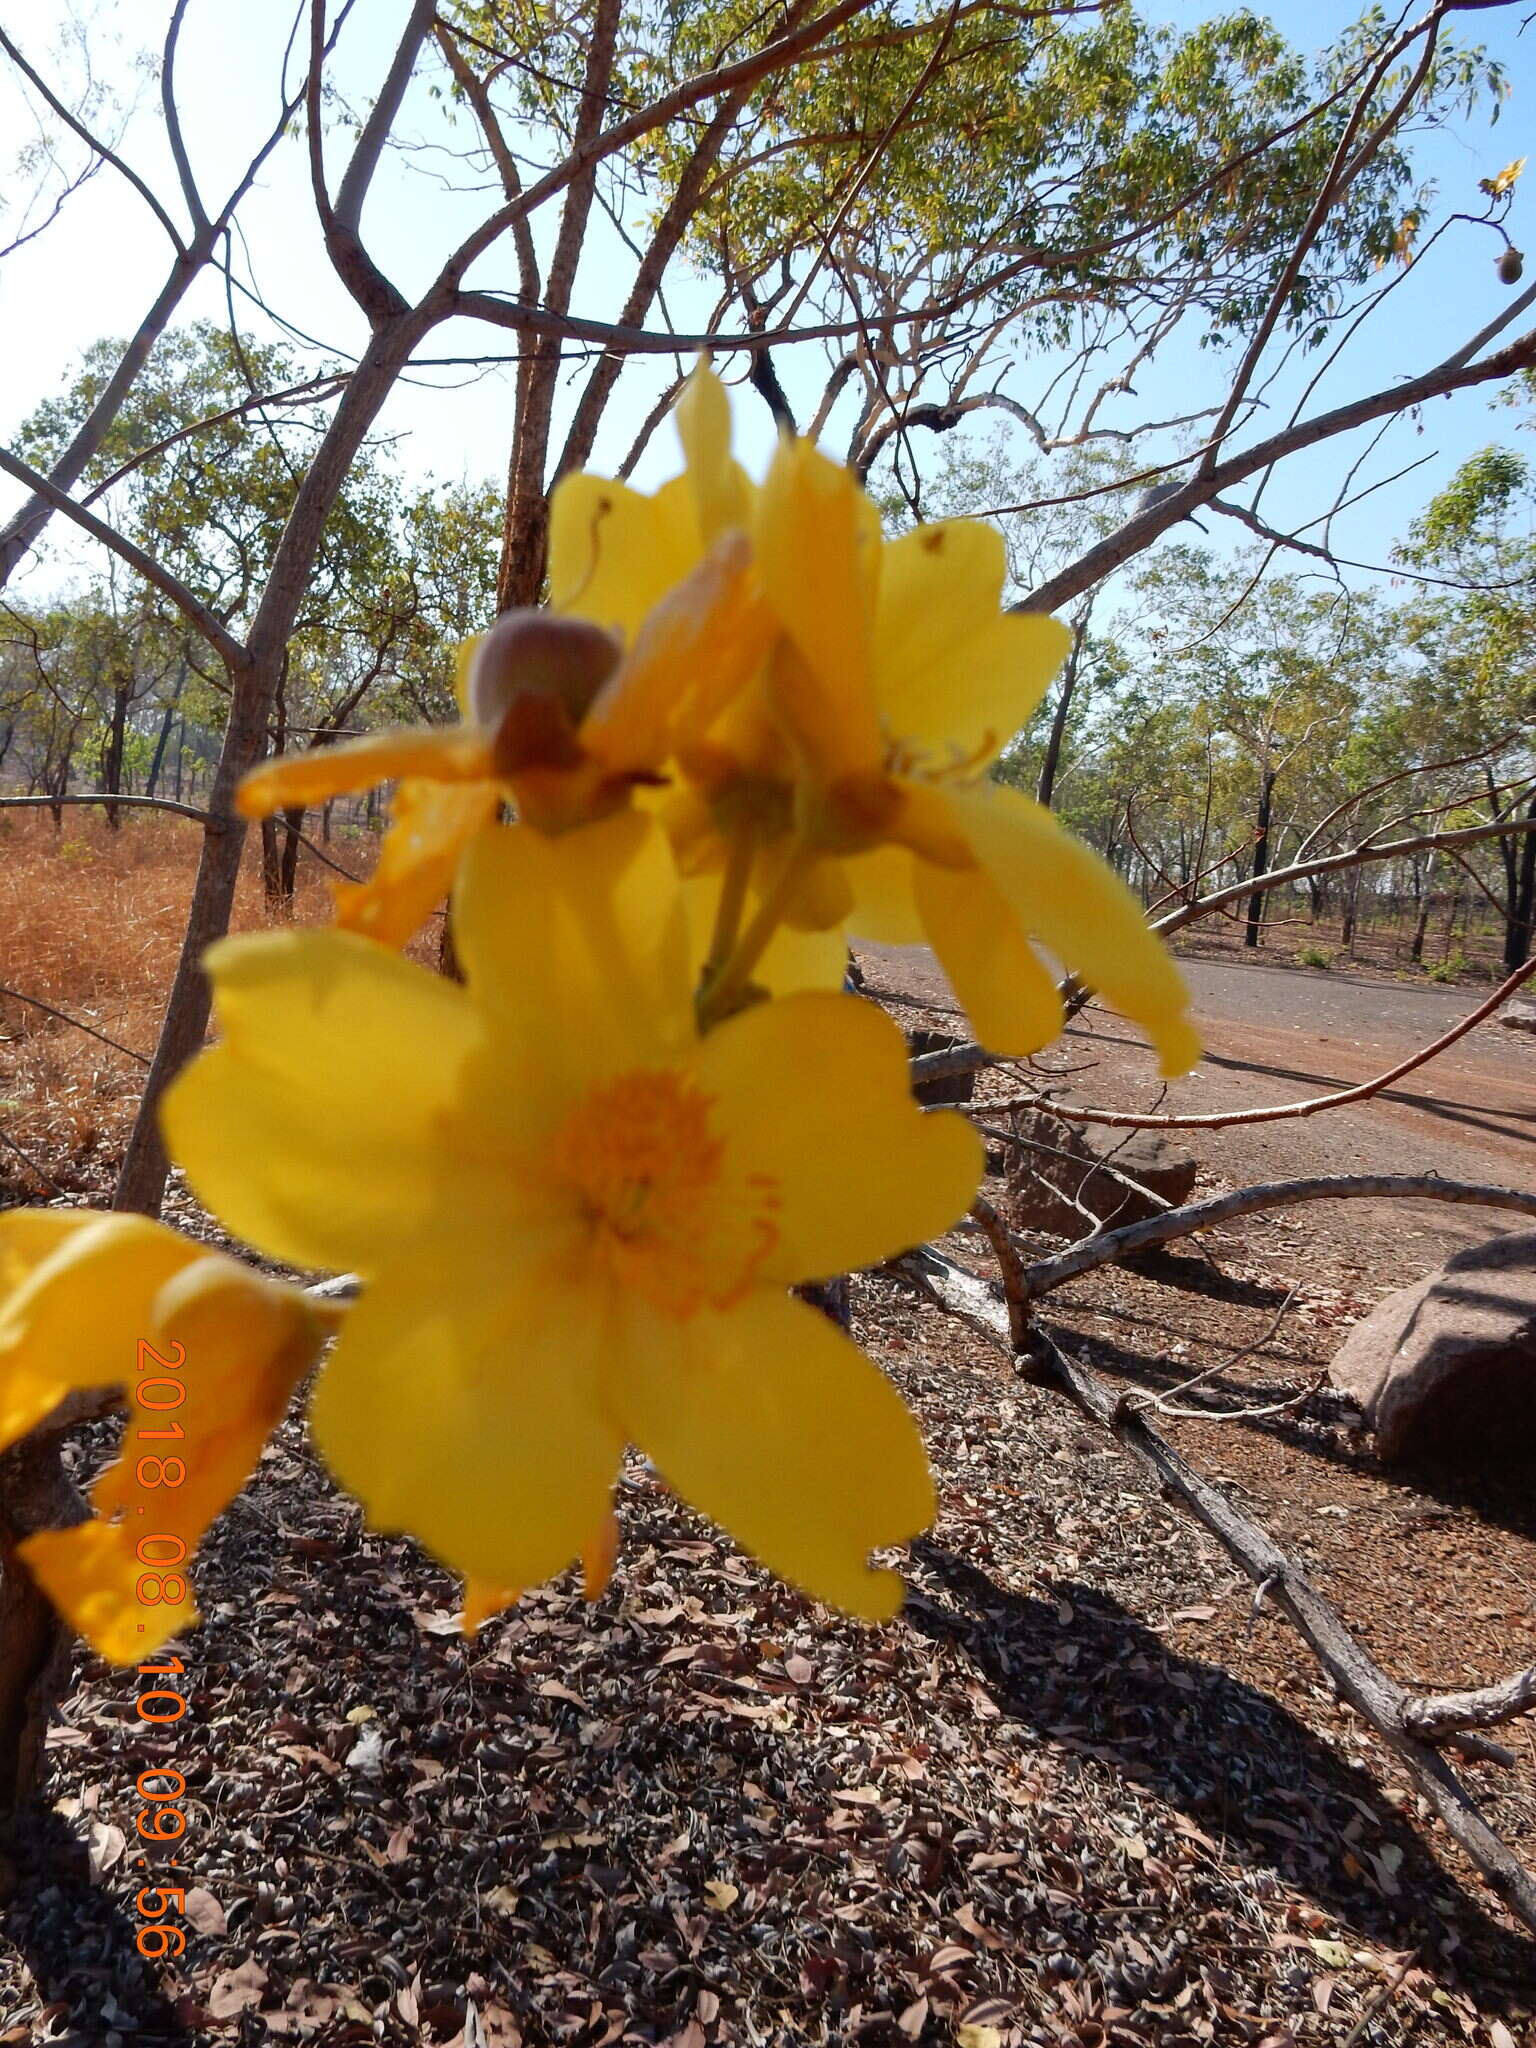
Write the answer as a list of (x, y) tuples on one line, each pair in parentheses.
[(1351, 906), (288, 877), (253, 681), (151, 780), (112, 753), (35, 1493), (1052, 762), (60, 787), (1421, 922), (1260, 858), (1517, 924), (271, 868)]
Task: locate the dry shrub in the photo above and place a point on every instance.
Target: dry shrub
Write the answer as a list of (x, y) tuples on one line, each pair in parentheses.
[(91, 922)]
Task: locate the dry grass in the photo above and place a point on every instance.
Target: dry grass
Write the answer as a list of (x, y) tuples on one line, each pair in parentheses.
[(91, 923)]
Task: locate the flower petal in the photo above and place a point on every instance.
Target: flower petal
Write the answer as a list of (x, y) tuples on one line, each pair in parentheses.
[(468, 1415), (431, 823), (1062, 894), (91, 1574), (817, 539), (884, 908), (998, 978), (316, 1128), (693, 653), (75, 1321), (861, 1172), (575, 950), (614, 553), (721, 492), (776, 1426), (237, 1344), (28, 1236), (450, 753), (956, 675)]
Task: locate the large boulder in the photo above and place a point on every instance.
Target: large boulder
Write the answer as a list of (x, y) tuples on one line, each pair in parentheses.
[(1518, 1016), (1449, 1365), (1060, 1170)]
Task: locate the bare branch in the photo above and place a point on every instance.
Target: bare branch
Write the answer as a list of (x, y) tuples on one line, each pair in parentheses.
[(101, 796), (187, 602), (22, 529), (1486, 1707), (1045, 1275), (1335, 863), (1149, 524), (92, 142), (379, 299), (189, 192), (1342, 172), (64, 1017), (1217, 1120)]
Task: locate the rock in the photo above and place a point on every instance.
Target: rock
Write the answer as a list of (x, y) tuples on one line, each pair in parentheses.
[(943, 1088), (1043, 1186), (1449, 1364), (1518, 1016)]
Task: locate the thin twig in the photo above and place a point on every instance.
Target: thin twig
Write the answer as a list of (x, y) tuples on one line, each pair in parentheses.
[(65, 1018)]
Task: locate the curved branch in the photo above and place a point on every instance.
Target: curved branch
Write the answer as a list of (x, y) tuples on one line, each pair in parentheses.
[(1221, 1119), (1045, 1275), (140, 803), (1333, 863), (1144, 527), (187, 602), (1447, 1713), (98, 148), (196, 211)]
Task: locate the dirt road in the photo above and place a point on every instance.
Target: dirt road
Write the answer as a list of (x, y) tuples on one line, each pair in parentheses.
[(1282, 1034)]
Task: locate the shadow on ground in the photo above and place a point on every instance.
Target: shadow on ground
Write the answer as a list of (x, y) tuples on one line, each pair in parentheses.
[(1250, 1775)]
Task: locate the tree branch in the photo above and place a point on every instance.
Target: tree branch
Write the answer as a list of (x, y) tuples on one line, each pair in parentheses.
[(1144, 527), (1384, 1703), (1217, 1120), (1045, 1275), (98, 148), (213, 630), (189, 192), (379, 299)]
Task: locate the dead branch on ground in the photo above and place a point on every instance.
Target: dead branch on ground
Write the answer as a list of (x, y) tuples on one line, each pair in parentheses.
[(1045, 1275), (1408, 1722)]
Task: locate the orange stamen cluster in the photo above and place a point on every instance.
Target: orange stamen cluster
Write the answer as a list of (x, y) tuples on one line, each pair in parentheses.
[(666, 1213)]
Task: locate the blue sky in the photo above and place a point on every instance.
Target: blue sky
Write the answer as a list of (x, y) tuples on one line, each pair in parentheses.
[(96, 268)]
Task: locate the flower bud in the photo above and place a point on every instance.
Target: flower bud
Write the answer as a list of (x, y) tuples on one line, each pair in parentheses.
[(1511, 264), (540, 654)]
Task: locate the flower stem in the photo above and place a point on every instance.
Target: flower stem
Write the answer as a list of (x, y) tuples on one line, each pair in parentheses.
[(733, 898), (721, 996)]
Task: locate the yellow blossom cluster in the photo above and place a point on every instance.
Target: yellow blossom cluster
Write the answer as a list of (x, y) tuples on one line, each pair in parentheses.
[(579, 1185)]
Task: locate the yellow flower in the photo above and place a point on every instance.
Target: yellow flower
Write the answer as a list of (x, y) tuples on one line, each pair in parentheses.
[(577, 1221), (898, 680), (207, 1354), (564, 713)]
